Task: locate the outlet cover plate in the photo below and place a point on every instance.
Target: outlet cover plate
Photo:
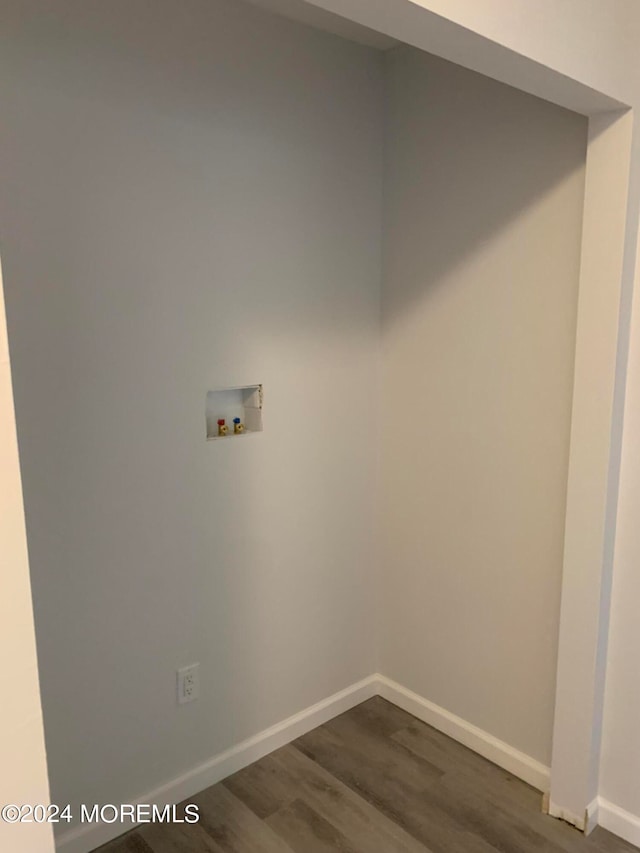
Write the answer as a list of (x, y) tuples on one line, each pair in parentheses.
[(188, 683)]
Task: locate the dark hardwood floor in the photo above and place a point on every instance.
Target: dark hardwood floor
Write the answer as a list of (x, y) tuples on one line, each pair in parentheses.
[(374, 780)]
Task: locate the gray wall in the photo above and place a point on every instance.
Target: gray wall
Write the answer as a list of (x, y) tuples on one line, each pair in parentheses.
[(190, 199), (484, 193)]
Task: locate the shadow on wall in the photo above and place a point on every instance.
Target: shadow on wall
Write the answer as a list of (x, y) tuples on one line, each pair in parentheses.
[(480, 170), (484, 194)]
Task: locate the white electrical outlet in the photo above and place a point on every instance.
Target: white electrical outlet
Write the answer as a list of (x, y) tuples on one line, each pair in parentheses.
[(188, 683)]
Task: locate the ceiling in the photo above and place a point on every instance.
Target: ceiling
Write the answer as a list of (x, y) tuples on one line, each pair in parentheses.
[(299, 10)]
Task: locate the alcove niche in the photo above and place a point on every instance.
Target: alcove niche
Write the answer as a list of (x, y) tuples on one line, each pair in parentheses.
[(244, 402)]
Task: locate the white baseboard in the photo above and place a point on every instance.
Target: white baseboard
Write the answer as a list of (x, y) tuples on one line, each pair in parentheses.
[(85, 838), (620, 822), (585, 822), (521, 765), (592, 816)]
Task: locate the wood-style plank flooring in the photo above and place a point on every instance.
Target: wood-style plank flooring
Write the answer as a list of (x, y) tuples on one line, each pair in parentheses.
[(373, 780)]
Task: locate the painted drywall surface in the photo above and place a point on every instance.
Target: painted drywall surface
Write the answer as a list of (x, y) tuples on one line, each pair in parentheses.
[(306, 13), (541, 49), (483, 211), (620, 762), (193, 201), (611, 66), (24, 771), (596, 42), (593, 42)]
